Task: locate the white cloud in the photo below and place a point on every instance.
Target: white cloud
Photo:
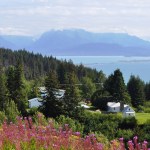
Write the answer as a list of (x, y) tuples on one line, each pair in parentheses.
[(13, 31), (97, 15)]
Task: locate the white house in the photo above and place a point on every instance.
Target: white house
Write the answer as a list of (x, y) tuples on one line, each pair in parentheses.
[(35, 102), (85, 106), (128, 111), (115, 107), (59, 93)]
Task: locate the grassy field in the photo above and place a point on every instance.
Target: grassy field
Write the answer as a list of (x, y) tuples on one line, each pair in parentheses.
[(142, 117)]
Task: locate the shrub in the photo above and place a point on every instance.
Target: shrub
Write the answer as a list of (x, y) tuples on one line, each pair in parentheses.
[(11, 111), (2, 117), (73, 124)]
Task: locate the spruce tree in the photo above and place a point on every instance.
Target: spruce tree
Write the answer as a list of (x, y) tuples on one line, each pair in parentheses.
[(16, 87), (11, 111), (136, 90), (116, 87), (10, 82), (3, 90), (52, 106), (88, 88), (72, 95)]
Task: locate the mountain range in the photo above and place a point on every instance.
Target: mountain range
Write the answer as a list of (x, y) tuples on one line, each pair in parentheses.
[(79, 42)]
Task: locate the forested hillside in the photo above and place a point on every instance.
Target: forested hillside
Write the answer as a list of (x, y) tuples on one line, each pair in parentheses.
[(36, 65)]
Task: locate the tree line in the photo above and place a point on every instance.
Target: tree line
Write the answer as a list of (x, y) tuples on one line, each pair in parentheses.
[(22, 72)]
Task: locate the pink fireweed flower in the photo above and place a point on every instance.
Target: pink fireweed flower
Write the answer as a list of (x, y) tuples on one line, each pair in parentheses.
[(121, 139), (77, 133), (99, 146), (121, 143), (130, 145), (144, 145)]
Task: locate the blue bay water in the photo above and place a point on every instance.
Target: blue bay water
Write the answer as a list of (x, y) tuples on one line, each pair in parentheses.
[(139, 66)]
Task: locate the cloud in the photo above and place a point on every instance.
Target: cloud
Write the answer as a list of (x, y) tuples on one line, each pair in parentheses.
[(97, 15), (12, 31)]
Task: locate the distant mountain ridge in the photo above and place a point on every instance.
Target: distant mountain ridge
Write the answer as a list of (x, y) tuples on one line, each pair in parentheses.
[(79, 42)]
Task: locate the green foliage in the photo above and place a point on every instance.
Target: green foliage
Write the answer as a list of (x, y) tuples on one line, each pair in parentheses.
[(100, 80), (116, 87), (52, 106), (147, 91), (126, 134), (2, 117), (106, 124), (136, 90), (39, 119), (16, 87), (3, 91), (32, 111), (128, 123), (100, 99), (88, 88), (71, 98), (144, 131), (73, 124), (11, 111), (142, 117)]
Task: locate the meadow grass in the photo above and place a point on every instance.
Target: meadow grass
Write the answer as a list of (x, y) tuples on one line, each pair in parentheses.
[(142, 117)]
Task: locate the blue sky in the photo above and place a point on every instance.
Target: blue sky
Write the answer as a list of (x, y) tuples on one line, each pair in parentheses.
[(33, 17)]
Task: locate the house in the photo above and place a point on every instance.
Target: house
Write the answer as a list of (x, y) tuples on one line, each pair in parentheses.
[(59, 93), (85, 106), (115, 107), (128, 111), (42, 90), (35, 102)]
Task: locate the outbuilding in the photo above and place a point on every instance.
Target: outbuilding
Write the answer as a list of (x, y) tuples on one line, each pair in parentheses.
[(128, 112), (35, 102)]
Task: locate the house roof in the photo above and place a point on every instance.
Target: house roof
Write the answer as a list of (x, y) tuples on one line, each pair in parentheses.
[(126, 110), (84, 106), (114, 104), (34, 99)]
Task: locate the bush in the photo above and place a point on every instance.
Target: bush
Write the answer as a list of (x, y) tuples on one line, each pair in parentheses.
[(2, 117), (73, 124), (11, 111), (126, 134), (128, 123)]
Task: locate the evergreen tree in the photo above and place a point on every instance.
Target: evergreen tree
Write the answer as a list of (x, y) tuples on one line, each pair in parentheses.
[(11, 111), (100, 80), (16, 87), (72, 95), (3, 91), (147, 91), (82, 72), (116, 87), (10, 82), (52, 106), (136, 90), (88, 88)]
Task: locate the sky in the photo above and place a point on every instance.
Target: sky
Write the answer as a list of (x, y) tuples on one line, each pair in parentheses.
[(33, 17)]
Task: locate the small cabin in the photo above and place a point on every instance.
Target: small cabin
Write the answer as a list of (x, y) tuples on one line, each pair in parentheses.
[(114, 107), (35, 102), (128, 112)]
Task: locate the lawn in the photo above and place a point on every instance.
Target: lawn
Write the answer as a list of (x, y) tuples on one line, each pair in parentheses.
[(142, 117)]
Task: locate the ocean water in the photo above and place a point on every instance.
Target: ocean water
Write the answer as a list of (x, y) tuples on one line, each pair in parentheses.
[(139, 66)]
